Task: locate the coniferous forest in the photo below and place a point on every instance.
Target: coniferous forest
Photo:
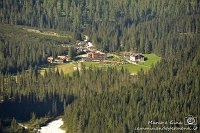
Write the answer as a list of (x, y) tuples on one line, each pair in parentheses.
[(100, 100)]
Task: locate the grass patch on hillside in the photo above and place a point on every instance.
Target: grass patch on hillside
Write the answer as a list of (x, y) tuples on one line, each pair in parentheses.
[(151, 59), (67, 68), (91, 64), (47, 32), (132, 68)]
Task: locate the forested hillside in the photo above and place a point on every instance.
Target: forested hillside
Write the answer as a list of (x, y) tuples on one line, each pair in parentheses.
[(98, 100), (20, 49), (138, 25), (170, 91)]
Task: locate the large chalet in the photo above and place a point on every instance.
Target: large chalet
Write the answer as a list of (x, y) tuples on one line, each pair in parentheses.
[(95, 56), (136, 57)]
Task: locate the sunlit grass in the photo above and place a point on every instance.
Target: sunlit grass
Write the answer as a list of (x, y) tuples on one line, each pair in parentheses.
[(68, 68), (151, 59), (48, 33)]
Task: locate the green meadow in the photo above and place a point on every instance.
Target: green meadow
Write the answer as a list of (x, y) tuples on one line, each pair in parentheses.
[(68, 68)]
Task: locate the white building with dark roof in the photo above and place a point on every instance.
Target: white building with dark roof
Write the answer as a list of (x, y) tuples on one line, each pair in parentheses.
[(136, 57)]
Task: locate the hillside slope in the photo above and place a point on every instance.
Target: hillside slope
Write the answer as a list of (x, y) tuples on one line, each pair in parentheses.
[(144, 26)]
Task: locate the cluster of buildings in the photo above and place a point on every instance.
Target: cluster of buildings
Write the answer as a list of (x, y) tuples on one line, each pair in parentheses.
[(59, 59), (95, 56), (85, 46), (135, 57)]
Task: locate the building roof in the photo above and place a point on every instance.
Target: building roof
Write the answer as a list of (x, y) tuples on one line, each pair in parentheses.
[(134, 55), (96, 52), (50, 57), (89, 44)]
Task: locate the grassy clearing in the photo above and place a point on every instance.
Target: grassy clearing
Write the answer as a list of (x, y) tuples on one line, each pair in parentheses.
[(67, 68), (48, 33), (91, 64), (151, 60), (132, 68)]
